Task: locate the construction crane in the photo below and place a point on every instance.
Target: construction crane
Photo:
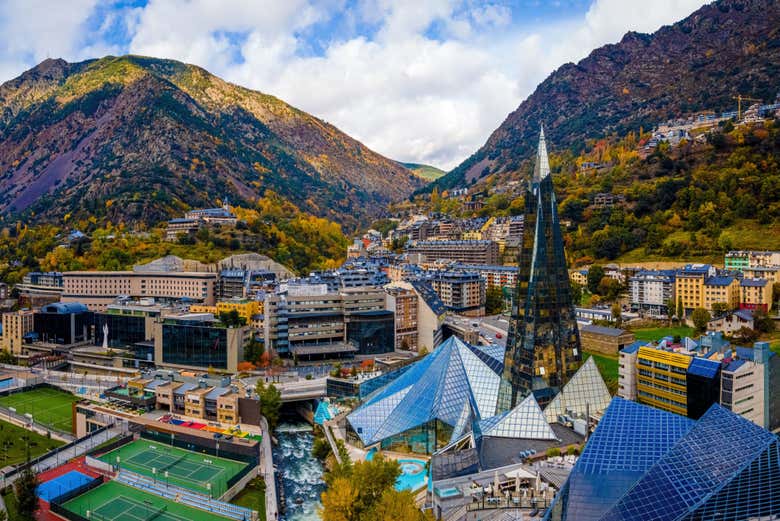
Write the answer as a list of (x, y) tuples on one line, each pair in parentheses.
[(740, 98)]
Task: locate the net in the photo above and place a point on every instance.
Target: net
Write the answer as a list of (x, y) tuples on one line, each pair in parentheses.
[(173, 463), (157, 513)]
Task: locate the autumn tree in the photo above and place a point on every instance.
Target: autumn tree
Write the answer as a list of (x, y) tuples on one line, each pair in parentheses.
[(700, 318)]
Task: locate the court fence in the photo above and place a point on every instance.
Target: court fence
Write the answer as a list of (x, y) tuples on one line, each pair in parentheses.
[(8, 413), (56, 503), (23, 466), (198, 444)]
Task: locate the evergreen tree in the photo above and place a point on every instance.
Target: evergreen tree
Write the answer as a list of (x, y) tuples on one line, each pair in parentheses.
[(270, 399)]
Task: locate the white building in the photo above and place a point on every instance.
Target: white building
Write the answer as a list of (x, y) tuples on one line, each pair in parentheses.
[(650, 291)]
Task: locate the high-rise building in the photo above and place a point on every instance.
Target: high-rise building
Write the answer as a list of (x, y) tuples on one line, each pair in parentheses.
[(543, 343)]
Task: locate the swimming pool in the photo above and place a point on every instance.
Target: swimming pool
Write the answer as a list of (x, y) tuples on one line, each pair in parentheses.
[(413, 474)]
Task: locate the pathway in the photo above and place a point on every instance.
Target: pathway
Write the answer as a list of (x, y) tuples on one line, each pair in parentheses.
[(267, 469)]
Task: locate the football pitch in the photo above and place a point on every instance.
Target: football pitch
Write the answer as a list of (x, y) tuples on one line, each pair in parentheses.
[(50, 407), (184, 468), (114, 501)]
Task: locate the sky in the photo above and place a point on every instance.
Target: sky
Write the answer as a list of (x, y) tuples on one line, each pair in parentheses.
[(416, 80)]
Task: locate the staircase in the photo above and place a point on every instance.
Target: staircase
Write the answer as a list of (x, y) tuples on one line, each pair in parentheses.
[(184, 496)]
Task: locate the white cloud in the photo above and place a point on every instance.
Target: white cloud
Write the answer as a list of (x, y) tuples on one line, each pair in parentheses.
[(401, 91)]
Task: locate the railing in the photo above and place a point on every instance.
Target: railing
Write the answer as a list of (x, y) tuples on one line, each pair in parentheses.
[(224, 452), (492, 503), (123, 440)]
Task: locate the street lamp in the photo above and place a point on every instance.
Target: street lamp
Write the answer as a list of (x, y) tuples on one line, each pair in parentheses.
[(208, 487)]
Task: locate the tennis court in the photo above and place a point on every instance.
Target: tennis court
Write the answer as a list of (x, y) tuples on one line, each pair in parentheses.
[(113, 501), (50, 407), (185, 468)]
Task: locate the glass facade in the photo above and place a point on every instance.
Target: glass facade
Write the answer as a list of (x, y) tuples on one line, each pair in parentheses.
[(543, 343), (123, 330), (645, 464), (372, 332), (194, 345), (63, 328), (525, 421), (454, 386), (585, 394)]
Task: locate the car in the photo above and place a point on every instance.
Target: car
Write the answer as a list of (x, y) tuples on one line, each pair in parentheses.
[(499, 335)]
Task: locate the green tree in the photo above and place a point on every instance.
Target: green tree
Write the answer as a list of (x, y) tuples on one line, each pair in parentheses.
[(776, 292), (232, 318), (270, 399), (700, 318), (320, 449), (680, 309), (595, 274), (719, 309), (27, 501), (617, 314), (494, 300), (762, 322)]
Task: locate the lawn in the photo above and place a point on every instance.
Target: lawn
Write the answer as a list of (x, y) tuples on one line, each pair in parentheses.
[(253, 496), (11, 505), (48, 406), (13, 444), (608, 367), (656, 333)]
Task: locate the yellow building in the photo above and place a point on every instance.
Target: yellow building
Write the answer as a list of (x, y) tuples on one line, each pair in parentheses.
[(661, 379), (721, 290), (755, 294), (16, 324), (697, 286), (246, 308), (579, 276)]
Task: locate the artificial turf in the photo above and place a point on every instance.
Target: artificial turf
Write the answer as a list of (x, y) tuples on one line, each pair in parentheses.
[(50, 407)]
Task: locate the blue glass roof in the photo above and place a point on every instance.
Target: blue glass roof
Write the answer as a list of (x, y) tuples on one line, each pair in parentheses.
[(703, 367), (456, 384), (697, 466), (640, 465), (629, 439)]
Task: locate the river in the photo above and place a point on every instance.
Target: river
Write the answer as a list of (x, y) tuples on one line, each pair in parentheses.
[(301, 472)]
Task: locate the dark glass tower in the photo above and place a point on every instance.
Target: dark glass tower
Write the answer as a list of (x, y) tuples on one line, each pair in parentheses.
[(543, 343)]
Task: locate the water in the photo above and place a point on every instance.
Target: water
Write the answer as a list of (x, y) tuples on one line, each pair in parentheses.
[(301, 473)]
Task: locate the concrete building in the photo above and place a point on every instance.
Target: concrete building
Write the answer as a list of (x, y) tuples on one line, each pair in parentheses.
[(731, 323), (661, 379), (16, 325), (245, 308), (493, 276), (650, 291), (181, 227), (606, 340), (467, 252), (308, 320), (627, 371), (98, 289), (750, 383), (418, 322), (770, 273), (462, 293), (721, 290), (755, 294), (741, 259)]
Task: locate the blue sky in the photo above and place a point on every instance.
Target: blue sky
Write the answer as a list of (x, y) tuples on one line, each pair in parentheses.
[(416, 80)]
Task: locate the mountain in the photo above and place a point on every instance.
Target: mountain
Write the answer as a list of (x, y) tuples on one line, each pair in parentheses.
[(138, 140), (425, 172), (725, 48)]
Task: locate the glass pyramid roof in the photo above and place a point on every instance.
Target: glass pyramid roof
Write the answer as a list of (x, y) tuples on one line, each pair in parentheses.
[(585, 391), (456, 384), (525, 421)]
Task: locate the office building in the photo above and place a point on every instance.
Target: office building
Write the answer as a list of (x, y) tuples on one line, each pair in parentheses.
[(63, 324), (98, 289), (123, 325), (198, 341), (466, 252), (543, 342), (661, 379)]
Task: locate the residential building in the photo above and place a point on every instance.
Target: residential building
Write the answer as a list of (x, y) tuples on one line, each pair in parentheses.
[(699, 286), (606, 340), (731, 323), (419, 314), (721, 290), (543, 345), (770, 273), (738, 260), (627, 371), (181, 227), (579, 277), (750, 380), (493, 276), (16, 325), (98, 289), (467, 252), (650, 291), (462, 293), (403, 302), (755, 294), (221, 215)]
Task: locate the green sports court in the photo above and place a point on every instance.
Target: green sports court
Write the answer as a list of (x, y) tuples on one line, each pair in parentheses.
[(188, 469), (48, 406), (114, 501)]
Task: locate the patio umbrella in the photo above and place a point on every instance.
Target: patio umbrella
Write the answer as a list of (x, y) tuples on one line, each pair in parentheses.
[(496, 486), (517, 484), (538, 482)]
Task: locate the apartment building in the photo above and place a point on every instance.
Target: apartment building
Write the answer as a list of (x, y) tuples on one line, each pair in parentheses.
[(493, 276), (650, 291), (750, 381), (738, 260), (661, 379), (769, 273), (755, 294), (699, 286), (16, 325), (98, 289), (462, 293), (467, 252)]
